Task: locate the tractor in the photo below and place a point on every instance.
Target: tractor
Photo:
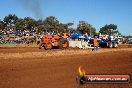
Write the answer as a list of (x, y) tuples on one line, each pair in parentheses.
[(107, 42), (48, 42)]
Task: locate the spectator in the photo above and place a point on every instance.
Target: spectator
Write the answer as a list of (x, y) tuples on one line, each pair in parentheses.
[(38, 40)]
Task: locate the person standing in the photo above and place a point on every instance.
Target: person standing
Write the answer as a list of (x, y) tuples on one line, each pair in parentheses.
[(95, 43)]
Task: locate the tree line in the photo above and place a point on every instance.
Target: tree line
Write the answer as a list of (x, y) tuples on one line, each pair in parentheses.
[(52, 24)]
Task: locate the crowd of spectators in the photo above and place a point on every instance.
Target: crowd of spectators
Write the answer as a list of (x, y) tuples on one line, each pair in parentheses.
[(12, 36)]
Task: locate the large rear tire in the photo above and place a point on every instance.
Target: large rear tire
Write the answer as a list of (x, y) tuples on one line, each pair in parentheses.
[(48, 46), (63, 43)]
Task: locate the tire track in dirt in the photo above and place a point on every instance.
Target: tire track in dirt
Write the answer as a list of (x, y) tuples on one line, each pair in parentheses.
[(48, 53)]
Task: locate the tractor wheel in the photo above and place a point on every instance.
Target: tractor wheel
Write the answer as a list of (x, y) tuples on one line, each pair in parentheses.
[(48, 46), (115, 45), (63, 43), (110, 45)]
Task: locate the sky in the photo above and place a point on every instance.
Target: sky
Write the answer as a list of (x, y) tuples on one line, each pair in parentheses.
[(95, 12)]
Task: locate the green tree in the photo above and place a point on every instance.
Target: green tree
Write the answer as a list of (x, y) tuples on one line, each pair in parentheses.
[(20, 24), (63, 27), (1, 25), (40, 26), (84, 27), (92, 31), (70, 23), (51, 23), (108, 29), (10, 20), (29, 23)]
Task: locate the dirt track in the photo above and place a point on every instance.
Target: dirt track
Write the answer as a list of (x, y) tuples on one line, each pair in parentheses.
[(34, 68)]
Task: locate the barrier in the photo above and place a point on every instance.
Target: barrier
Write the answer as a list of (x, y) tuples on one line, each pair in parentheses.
[(79, 44)]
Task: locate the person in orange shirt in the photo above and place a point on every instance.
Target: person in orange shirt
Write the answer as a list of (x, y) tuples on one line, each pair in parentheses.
[(95, 43)]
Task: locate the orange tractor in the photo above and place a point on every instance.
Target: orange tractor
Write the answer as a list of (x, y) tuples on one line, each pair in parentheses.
[(48, 42)]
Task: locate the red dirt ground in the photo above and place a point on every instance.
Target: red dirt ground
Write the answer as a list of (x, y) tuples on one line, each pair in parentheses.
[(34, 68)]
